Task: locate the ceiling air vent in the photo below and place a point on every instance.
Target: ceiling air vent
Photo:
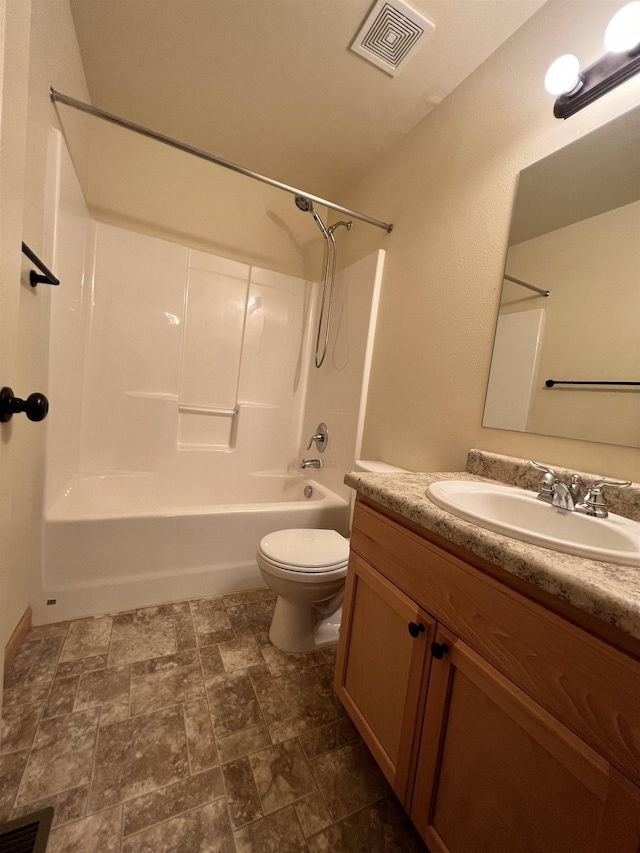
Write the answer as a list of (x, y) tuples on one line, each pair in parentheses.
[(392, 34)]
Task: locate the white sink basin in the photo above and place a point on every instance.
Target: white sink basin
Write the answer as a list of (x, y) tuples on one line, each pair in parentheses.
[(519, 514)]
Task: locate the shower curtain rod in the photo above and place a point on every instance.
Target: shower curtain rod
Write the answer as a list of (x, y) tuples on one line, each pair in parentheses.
[(526, 284), (211, 158)]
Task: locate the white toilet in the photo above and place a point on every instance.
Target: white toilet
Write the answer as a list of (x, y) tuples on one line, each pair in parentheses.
[(307, 569)]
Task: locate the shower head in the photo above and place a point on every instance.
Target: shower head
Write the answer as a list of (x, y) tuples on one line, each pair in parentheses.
[(305, 204)]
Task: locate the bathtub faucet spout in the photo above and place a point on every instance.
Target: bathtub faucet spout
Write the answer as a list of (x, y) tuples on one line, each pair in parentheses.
[(311, 463)]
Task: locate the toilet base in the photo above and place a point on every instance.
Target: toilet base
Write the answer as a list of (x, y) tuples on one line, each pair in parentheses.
[(298, 627)]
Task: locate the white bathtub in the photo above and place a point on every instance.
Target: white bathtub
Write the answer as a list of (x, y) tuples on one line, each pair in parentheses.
[(119, 542)]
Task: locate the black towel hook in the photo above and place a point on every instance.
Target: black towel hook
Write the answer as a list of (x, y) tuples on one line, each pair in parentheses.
[(34, 278)]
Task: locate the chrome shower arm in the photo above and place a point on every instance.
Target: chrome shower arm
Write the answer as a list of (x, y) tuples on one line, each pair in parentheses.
[(335, 225)]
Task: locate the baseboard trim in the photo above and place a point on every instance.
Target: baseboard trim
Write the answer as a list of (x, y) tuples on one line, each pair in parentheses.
[(17, 638)]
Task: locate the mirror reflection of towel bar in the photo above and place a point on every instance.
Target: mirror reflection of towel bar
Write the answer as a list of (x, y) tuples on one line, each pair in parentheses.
[(551, 382)]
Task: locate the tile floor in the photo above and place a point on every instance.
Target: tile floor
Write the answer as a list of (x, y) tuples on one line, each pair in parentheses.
[(181, 728)]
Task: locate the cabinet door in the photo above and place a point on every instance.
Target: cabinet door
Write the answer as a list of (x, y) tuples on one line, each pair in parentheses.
[(498, 774), (380, 668)]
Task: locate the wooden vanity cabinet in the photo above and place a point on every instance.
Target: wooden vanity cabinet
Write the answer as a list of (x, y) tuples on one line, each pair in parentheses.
[(497, 772), (521, 734), (383, 658)]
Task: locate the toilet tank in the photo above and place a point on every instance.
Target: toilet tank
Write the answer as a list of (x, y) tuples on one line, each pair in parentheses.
[(375, 467)]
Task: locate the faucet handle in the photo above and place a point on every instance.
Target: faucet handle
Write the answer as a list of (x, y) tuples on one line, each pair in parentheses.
[(321, 438), (611, 484), (593, 502), (546, 483), (544, 468)]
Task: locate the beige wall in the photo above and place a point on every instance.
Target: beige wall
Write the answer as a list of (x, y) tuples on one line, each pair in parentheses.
[(449, 189), (14, 35), (46, 39)]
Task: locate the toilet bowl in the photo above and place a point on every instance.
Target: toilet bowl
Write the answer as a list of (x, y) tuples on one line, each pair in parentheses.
[(307, 568)]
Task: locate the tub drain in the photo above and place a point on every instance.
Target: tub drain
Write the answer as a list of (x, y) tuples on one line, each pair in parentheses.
[(308, 491)]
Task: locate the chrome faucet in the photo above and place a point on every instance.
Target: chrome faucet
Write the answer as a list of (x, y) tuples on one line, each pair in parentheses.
[(311, 463), (568, 497), (561, 497)]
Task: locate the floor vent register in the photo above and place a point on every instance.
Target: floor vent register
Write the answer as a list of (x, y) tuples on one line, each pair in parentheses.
[(26, 834)]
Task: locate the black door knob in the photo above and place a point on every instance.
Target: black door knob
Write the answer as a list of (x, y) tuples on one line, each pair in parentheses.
[(415, 629), (35, 406), (439, 650)]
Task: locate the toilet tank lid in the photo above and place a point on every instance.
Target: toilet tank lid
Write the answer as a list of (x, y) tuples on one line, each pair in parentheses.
[(374, 466)]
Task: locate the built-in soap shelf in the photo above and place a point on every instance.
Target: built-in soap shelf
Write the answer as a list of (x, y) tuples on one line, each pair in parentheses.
[(152, 395), (209, 429), (207, 410)]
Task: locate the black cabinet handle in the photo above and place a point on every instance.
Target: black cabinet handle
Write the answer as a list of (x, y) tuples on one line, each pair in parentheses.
[(439, 650), (35, 406), (415, 630)]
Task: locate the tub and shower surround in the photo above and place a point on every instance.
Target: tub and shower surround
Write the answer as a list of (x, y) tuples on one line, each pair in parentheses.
[(159, 352), (188, 351), (179, 381)]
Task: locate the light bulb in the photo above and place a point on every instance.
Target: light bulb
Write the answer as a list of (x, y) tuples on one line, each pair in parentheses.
[(623, 32), (563, 75)]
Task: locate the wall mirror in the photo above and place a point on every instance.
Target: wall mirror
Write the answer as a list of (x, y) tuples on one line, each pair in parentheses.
[(575, 235)]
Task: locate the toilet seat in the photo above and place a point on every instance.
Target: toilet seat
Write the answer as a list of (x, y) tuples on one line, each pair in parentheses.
[(304, 570), (304, 551)]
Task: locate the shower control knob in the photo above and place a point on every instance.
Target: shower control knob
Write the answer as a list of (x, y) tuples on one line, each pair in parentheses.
[(415, 630), (35, 406)]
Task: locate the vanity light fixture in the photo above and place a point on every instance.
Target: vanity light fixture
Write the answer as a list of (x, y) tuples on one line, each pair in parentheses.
[(577, 89), (563, 76)]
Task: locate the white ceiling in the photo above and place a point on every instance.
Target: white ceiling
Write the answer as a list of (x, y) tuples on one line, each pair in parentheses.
[(272, 84)]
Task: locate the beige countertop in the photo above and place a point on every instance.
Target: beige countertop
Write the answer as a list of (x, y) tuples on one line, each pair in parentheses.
[(609, 592)]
